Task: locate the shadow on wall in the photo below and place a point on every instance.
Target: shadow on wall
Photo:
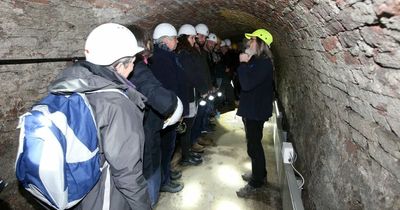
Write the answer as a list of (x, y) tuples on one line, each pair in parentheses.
[(29, 201), (4, 205)]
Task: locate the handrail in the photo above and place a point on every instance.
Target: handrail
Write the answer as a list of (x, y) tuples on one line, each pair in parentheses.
[(38, 60)]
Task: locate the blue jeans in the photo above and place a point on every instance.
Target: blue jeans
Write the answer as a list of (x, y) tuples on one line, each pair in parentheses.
[(168, 137), (153, 185)]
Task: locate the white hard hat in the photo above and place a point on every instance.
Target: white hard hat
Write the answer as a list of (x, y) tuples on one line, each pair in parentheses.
[(109, 42), (212, 37), (228, 42), (164, 29), (202, 29), (187, 29), (176, 116), (223, 44)]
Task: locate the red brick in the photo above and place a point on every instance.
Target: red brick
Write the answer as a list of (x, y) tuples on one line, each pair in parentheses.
[(349, 59), (330, 43), (350, 147), (331, 58), (391, 7)]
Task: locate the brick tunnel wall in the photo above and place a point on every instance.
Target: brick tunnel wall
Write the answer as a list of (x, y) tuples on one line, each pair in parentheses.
[(337, 77), (338, 80)]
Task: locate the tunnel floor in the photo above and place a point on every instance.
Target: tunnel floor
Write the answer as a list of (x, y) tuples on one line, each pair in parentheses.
[(213, 184)]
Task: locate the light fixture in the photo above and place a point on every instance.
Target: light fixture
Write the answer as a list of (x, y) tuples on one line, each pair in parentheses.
[(202, 102)]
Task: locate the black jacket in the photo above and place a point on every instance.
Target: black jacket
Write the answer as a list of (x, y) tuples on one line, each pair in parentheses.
[(193, 75), (257, 89), (160, 104), (158, 98), (165, 68), (201, 59)]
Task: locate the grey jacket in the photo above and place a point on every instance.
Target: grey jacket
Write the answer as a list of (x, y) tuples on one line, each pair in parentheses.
[(119, 118)]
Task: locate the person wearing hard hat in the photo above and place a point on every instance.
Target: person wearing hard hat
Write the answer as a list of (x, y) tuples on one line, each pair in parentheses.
[(228, 43), (196, 85), (234, 47), (201, 124), (229, 58), (161, 103), (202, 33), (213, 60), (255, 106), (110, 51), (167, 71), (211, 42)]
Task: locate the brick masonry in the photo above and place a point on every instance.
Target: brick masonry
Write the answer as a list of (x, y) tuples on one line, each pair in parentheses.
[(337, 74), (339, 89)]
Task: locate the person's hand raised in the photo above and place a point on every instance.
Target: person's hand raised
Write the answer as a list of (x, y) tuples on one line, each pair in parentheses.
[(244, 57)]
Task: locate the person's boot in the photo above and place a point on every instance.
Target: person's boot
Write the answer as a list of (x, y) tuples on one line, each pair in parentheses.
[(247, 191), (176, 183), (203, 141), (190, 161), (197, 148), (246, 177), (171, 187), (176, 175), (195, 155)]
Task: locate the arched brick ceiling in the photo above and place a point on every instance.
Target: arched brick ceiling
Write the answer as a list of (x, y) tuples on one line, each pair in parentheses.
[(45, 26), (225, 18)]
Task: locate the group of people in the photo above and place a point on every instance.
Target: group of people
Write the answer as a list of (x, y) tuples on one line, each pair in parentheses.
[(161, 83)]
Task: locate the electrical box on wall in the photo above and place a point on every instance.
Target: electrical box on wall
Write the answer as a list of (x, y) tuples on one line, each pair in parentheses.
[(287, 152)]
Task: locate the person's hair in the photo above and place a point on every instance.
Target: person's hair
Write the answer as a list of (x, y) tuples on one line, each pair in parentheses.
[(262, 48), (125, 61), (142, 40), (184, 44)]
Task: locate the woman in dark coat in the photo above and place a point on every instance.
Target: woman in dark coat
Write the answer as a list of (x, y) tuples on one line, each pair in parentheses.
[(255, 107), (195, 83)]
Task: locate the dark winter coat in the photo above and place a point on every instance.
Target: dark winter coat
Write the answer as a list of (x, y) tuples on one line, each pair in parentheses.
[(257, 89), (160, 104), (193, 75), (201, 59), (165, 68)]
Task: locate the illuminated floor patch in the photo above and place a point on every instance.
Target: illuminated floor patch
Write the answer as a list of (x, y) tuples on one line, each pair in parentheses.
[(213, 184)]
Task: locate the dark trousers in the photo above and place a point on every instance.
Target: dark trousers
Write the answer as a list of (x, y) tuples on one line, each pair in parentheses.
[(254, 134), (168, 137), (198, 123), (186, 142)]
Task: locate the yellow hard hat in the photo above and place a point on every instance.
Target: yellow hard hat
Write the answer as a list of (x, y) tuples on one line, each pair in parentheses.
[(234, 46), (262, 34)]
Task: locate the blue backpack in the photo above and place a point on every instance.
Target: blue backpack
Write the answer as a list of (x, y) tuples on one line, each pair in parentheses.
[(59, 158)]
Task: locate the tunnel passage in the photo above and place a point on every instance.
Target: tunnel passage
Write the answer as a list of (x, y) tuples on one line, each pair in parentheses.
[(337, 78)]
